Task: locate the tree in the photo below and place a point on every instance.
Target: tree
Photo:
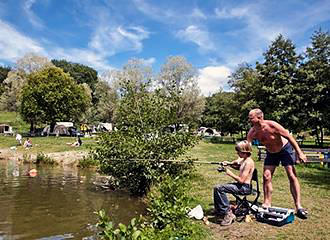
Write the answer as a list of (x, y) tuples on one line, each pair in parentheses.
[(3, 75), (245, 82), (222, 112), (31, 62), (51, 95), (278, 76), (133, 153), (16, 79), (79, 72), (178, 80), (12, 87), (107, 99), (315, 90)]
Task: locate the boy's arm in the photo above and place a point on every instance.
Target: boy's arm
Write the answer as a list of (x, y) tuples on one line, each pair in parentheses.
[(244, 173), (234, 164)]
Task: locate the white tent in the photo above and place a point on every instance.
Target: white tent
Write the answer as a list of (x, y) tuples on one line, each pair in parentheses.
[(66, 124), (61, 128), (6, 129)]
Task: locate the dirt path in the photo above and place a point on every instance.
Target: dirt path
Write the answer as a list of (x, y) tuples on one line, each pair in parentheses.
[(62, 158)]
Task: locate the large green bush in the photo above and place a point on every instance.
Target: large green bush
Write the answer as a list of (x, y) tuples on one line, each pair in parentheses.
[(134, 153)]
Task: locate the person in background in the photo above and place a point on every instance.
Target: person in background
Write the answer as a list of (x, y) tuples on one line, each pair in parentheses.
[(19, 139), (28, 143), (77, 143)]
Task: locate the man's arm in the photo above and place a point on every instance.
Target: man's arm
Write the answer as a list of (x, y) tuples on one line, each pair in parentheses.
[(250, 136), (285, 133)]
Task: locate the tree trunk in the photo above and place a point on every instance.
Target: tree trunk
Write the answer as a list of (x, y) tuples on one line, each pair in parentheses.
[(321, 137), (52, 126), (31, 127)]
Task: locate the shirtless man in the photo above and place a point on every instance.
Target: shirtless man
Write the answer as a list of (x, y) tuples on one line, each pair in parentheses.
[(278, 143)]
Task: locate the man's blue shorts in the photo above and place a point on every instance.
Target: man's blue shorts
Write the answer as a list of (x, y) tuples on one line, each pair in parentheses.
[(286, 156)]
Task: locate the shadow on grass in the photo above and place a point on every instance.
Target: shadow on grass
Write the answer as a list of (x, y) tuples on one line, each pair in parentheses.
[(315, 175)]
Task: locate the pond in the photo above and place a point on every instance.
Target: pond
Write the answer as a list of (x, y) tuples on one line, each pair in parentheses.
[(57, 203)]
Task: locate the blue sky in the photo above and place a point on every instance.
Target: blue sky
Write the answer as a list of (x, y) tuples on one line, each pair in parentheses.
[(213, 35)]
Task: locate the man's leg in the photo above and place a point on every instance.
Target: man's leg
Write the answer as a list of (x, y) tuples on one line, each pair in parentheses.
[(267, 184), (294, 185)]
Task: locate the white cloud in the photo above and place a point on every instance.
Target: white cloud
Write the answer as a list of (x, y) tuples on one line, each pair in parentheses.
[(211, 79), (14, 45), (197, 13), (35, 21), (148, 62), (232, 13), (200, 37), (160, 14), (110, 41), (83, 56)]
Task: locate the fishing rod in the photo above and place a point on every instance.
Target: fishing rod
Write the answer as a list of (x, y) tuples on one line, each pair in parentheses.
[(174, 161)]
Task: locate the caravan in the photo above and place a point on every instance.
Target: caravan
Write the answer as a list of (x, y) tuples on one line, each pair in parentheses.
[(5, 129)]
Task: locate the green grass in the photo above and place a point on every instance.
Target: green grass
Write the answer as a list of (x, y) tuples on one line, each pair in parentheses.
[(15, 121), (315, 193), (40, 144), (47, 144)]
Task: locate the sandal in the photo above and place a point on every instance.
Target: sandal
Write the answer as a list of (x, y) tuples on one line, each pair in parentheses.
[(302, 213)]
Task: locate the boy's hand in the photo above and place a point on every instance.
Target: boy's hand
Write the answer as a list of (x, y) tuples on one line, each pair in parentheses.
[(228, 172), (225, 163)]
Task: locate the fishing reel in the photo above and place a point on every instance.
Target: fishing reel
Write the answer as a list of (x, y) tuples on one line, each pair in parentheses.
[(221, 167)]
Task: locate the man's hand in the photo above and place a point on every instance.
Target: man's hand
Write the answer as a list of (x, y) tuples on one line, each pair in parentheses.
[(302, 157)]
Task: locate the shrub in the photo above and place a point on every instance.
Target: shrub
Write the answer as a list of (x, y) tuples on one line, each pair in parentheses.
[(87, 162), (44, 159), (166, 219), (109, 232), (133, 154)]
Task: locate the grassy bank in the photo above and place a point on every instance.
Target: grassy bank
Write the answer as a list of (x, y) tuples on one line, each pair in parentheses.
[(47, 144), (315, 186)]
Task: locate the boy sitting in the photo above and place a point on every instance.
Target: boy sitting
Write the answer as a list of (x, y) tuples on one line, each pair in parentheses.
[(245, 164)]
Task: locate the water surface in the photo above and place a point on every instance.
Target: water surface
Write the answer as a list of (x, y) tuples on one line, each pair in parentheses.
[(58, 203)]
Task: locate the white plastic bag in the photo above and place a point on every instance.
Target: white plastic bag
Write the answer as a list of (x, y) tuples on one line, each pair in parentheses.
[(196, 212)]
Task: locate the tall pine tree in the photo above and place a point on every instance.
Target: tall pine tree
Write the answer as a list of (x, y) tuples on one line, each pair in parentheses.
[(316, 91), (278, 77)]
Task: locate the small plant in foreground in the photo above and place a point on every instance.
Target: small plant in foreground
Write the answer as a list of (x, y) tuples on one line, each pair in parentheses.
[(43, 158), (27, 158), (109, 232), (87, 162)]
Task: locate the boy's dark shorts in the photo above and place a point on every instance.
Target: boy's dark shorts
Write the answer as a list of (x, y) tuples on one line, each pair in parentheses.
[(286, 156)]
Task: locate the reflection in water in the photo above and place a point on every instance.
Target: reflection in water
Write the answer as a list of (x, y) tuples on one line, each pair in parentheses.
[(58, 203)]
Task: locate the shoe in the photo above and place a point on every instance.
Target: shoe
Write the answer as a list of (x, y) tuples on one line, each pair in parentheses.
[(228, 219), (216, 213), (302, 213)]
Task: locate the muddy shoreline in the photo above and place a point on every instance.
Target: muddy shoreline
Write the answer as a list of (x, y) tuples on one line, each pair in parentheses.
[(62, 158)]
